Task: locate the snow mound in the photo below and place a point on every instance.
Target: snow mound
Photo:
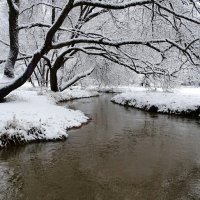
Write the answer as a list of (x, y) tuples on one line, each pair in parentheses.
[(27, 116), (16, 132), (185, 101), (71, 94)]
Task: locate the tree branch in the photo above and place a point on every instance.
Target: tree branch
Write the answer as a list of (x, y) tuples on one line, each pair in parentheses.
[(76, 78), (177, 14), (41, 3), (115, 6)]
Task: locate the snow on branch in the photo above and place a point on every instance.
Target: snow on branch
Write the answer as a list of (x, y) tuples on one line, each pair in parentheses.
[(113, 5), (37, 24), (134, 64), (117, 44), (106, 42), (73, 30), (40, 3), (185, 50)]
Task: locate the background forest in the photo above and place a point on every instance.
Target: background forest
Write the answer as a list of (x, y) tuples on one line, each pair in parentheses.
[(150, 43)]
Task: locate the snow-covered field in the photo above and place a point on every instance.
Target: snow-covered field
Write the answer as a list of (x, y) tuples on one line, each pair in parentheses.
[(183, 101), (27, 115)]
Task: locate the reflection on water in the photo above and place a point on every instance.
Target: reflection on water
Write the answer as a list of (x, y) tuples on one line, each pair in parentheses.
[(121, 154)]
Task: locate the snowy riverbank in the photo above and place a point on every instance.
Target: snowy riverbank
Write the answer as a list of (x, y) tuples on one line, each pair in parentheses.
[(116, 89), (72, 94), (183, 101), (28, 116)]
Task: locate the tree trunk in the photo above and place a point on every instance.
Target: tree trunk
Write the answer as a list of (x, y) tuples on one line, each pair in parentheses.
[(6, 89), (53, 71), (14, 37), (53, 80)]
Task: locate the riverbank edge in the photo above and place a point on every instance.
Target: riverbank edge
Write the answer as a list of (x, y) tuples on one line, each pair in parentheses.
[(17, 140), (146, 104), (154, 109), (15, 134)]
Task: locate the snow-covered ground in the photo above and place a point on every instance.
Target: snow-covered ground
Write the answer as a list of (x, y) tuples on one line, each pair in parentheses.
[(27, 115), (71, 94), (116, 89), (182, 101)]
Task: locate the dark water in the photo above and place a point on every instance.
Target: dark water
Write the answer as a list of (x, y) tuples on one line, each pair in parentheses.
[(122, 154)]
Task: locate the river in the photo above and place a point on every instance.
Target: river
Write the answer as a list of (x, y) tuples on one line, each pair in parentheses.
[(122, 154)]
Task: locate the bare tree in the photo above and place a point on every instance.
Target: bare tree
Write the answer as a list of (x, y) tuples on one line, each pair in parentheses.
[(13, 33)]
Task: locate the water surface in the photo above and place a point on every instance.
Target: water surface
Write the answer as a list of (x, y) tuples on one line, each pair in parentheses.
[(122, 154)]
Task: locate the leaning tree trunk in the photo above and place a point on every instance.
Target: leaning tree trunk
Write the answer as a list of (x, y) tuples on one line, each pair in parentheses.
[(13, 34), (9, 87), (4, 91)]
